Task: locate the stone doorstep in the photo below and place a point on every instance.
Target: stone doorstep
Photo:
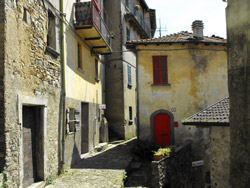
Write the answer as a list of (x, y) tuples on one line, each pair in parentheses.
[(100, 147), (40, 184)]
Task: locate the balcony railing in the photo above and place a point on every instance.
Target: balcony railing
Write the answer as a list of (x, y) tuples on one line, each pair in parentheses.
[(87, 17), (136, 16)]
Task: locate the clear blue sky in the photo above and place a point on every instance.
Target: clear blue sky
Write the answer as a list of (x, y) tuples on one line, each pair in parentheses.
[(178, 15)]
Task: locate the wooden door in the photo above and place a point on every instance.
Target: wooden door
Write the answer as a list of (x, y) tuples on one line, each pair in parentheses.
[(162, 130), (29, 145)]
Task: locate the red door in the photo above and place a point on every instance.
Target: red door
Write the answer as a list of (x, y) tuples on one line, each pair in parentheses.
[(162, 130)]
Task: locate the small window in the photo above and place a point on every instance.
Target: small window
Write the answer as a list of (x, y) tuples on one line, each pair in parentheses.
[(128, 34), (127, 3), (129, 76), (130, 115), (51, 37), (160, 70), (26, 16), (79, 56), (73, 120), (97, 78)]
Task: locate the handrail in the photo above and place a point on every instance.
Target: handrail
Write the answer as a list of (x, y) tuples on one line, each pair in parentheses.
[(99, 22), (141, 21)]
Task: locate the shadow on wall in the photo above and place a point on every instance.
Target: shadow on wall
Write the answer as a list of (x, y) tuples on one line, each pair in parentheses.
[(75, 158)]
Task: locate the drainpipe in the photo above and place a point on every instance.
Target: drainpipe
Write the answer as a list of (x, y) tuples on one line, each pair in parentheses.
[(137, 98), (63, 88)]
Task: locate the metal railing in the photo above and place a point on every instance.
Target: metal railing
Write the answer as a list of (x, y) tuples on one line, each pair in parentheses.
[(87, 13), (139, 17), (100, 24)]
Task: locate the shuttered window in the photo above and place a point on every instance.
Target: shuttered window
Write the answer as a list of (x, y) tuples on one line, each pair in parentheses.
[(160, 70), (129, 76)]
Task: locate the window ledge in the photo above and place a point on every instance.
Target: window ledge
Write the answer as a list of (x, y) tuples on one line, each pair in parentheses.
[(52, 51), (80, 70), (161, 85)]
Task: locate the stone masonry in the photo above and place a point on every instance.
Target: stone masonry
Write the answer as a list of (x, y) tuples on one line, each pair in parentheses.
[(174, 171), (31, 72), (238, 34), (2, 135)]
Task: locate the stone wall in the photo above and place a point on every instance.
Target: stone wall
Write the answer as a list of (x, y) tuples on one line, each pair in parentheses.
[(238, 21), (174, 171), (2, 127), (220, 156), (33, 73)]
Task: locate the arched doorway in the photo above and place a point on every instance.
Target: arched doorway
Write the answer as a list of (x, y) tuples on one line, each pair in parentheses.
[(162, 133), (162, 128)]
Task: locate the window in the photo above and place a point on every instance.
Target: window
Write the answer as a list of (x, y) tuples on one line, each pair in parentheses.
[(97, 78), (51, 37), (79, 56), (72, 120), (127, 3), (26, 15), (128, 34), (129, 76), (130, 116), (160, 70)]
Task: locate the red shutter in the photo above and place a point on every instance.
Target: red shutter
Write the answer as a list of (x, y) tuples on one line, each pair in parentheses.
[(156, 69), (164, 70)]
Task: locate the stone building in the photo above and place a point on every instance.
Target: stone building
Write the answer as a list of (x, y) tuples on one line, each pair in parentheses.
[(238, 21), (30, 76), (178, 75), (217, 156), (86, 38), (131, 20)]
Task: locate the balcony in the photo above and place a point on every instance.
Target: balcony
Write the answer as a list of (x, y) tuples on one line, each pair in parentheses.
[(136, 20), (91, 27)]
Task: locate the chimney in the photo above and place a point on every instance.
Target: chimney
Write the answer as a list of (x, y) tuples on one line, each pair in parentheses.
[(197, 27)]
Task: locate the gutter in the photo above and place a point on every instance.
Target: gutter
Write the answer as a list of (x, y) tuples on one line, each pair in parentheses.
[(63, 93)]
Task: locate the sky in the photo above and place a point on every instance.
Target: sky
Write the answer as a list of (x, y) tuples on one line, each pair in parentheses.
[(178, 15)]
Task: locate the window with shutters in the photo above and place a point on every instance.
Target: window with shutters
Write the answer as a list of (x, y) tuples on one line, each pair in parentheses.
[(160, 70), (129, 76)]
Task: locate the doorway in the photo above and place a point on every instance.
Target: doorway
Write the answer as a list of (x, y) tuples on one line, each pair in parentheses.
[(33, 151), (84, 128), (162, 130)]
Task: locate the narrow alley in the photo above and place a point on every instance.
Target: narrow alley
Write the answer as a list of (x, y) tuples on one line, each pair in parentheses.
[(105, 169)]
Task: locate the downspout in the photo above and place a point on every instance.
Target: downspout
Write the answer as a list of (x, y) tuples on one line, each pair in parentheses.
[(63, 88), (137, 98)]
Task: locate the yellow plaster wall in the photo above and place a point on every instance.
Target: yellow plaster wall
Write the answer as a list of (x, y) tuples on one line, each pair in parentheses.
[(81, 85), (198, 78)]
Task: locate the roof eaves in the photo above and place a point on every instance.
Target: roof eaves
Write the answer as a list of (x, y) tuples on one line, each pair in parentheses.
[(212, 123)]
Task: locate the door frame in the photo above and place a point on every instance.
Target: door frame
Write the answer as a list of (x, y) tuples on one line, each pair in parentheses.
[(152, 125), (42, 103)]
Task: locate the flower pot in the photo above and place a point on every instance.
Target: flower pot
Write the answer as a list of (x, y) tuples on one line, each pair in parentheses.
[(158, 157)]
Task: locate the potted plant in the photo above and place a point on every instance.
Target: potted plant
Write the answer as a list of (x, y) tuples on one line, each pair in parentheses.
[(161, 153)]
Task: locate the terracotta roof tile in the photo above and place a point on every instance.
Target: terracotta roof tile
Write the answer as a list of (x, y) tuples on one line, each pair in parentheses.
[(182, 37), (216, 114)]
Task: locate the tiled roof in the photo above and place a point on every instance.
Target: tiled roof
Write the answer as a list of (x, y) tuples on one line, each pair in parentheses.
[(215, 115), (182, 37)]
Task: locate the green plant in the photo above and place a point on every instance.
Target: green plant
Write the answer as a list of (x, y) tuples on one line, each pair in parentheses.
[(4, 182), (163, 151), (50, 179)]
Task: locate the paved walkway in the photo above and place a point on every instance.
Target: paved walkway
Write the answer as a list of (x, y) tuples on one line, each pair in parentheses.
[(101, 170)]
